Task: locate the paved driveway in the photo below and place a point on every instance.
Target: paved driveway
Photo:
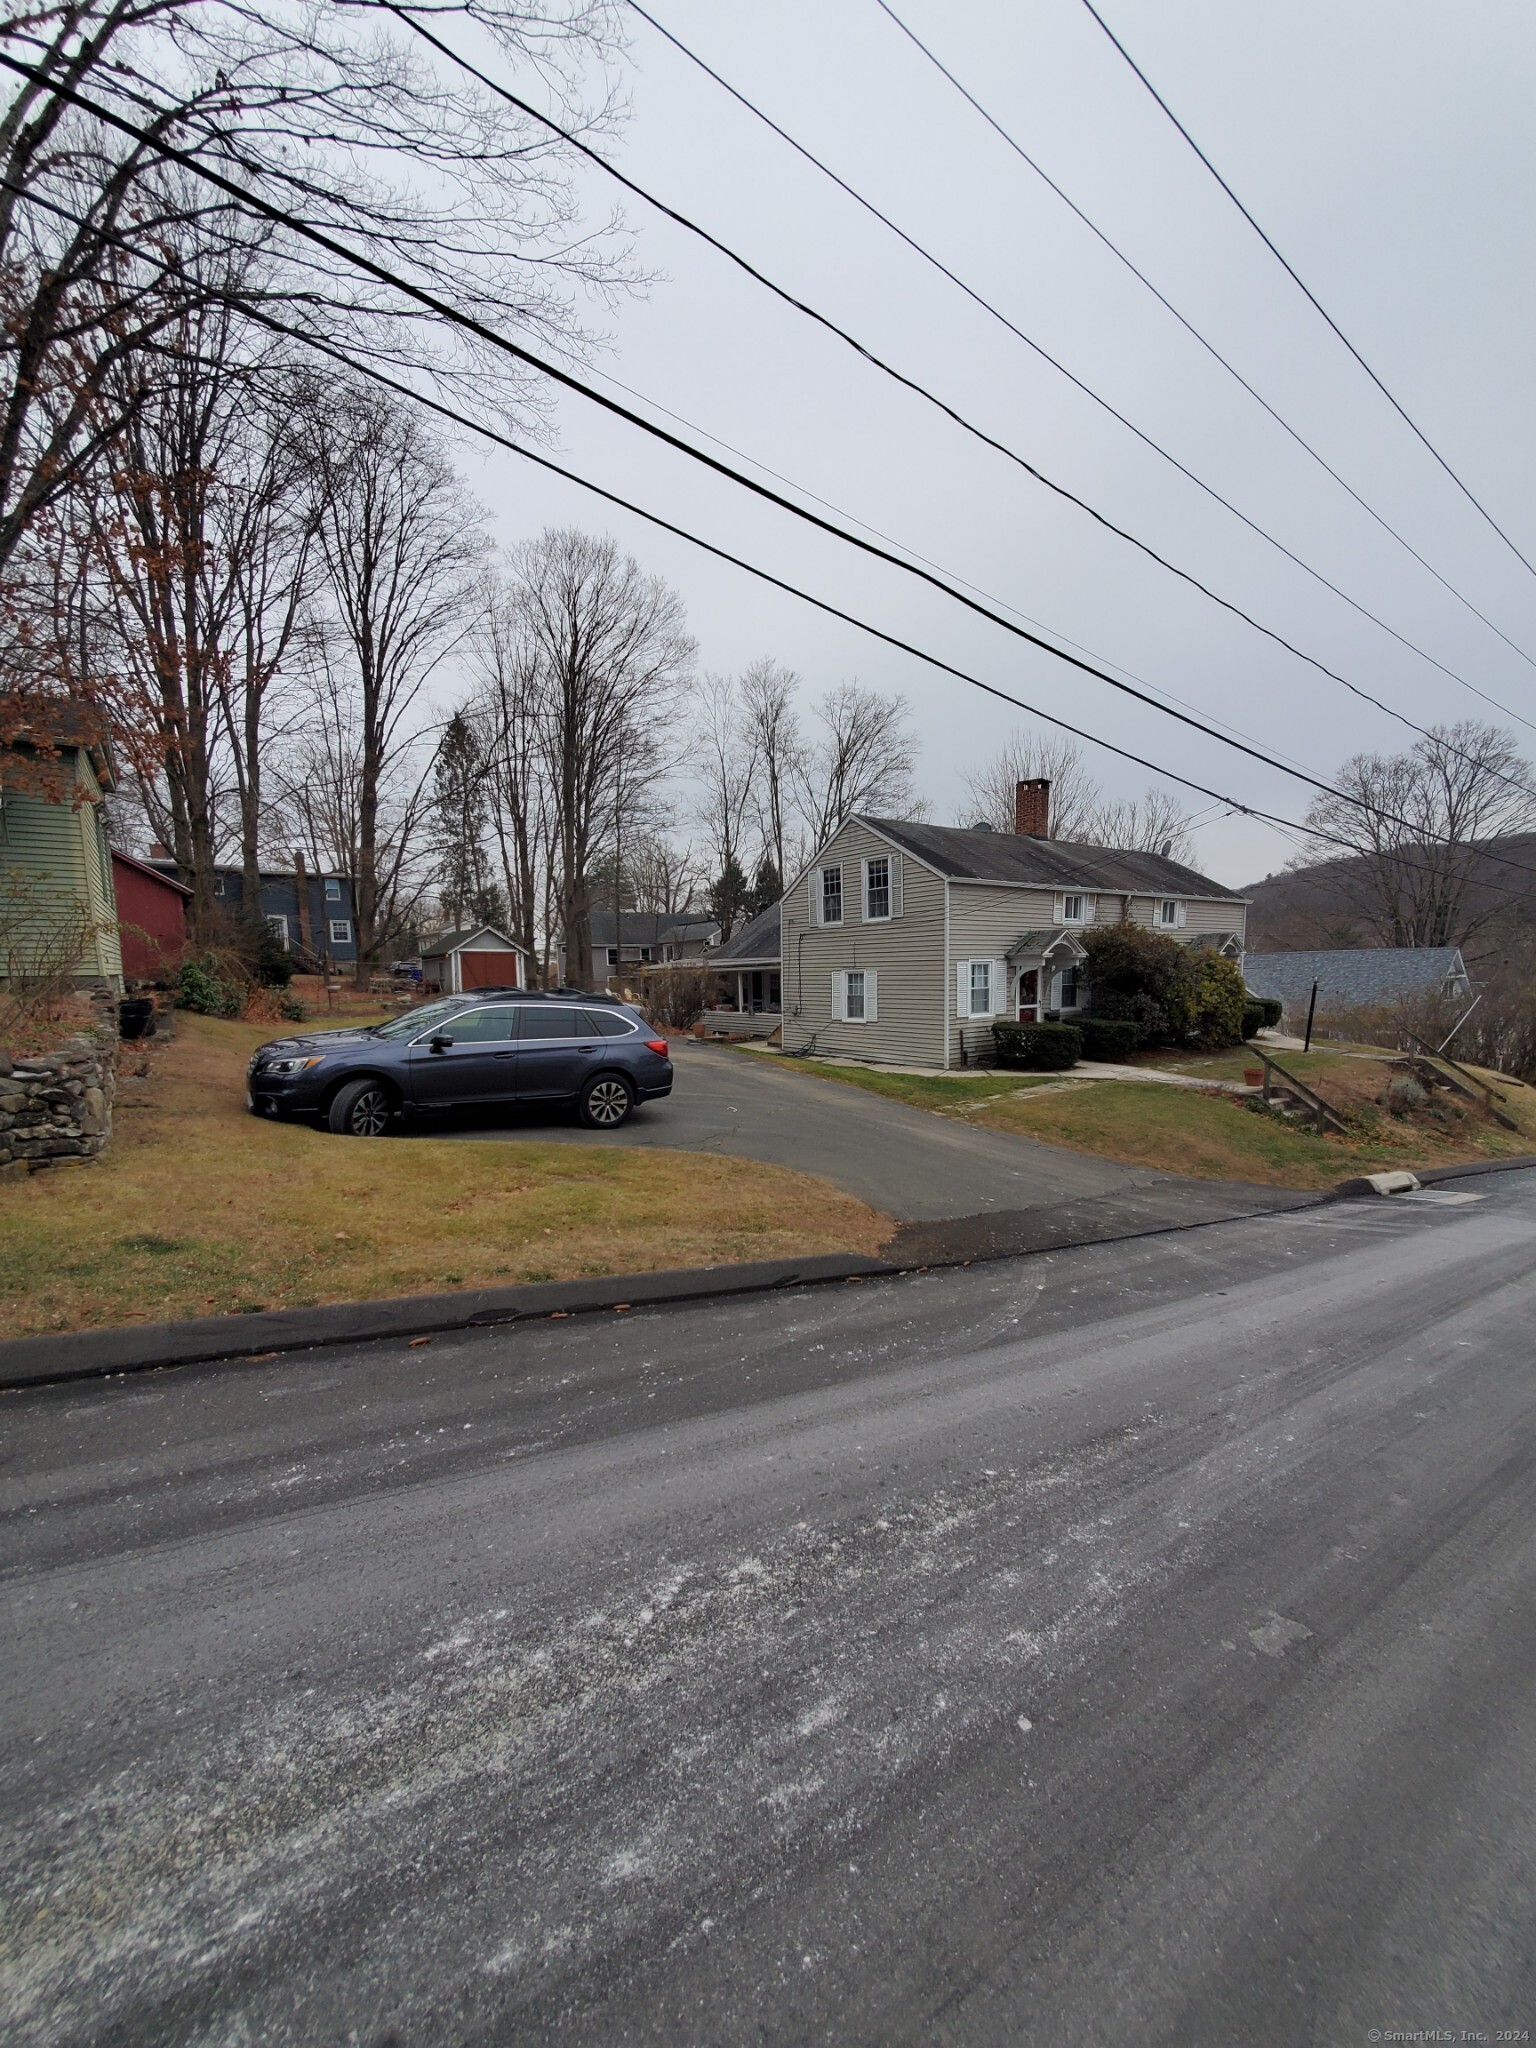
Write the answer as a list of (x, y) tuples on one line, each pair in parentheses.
[(909, 1163)]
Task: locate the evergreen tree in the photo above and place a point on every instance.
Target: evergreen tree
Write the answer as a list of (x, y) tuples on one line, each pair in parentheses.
[(728, 897), (459, 821), (767, 886)]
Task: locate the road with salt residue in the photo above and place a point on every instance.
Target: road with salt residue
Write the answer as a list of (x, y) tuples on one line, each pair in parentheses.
[(1128, 1645)]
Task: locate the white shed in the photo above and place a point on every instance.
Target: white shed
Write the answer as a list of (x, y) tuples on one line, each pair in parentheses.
[(479, 957)]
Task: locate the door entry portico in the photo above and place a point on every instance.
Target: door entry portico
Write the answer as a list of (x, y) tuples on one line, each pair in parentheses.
[(1036, 958)]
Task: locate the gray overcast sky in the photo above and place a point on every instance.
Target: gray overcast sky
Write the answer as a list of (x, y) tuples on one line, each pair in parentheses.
[(1387, 148)]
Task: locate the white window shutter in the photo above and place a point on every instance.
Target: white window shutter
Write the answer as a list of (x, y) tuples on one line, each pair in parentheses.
[(871, 996), (1180, 912), (1058, 909), (963, 988), (815, 893), (999, 981), (839, 996), (895, 885), (864, 890)]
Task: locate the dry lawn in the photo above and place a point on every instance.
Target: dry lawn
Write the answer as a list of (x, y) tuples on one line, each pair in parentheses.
[(1218, 1137), (199, 1209)]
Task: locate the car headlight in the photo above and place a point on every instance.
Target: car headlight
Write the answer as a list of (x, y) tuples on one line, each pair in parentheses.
[(294, 1066)]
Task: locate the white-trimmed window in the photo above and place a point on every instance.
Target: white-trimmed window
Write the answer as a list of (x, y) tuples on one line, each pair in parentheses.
[(341, 931), (881, 887), (279, 925), (980, 987), (333, 888), (1066, 989), (855, 995), (827, 895), (1076, 909), (1169, 912)]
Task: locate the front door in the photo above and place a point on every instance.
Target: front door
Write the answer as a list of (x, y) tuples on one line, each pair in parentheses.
[(1029, 995), (479, 1066)]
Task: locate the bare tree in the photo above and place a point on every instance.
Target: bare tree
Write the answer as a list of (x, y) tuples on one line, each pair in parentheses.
[(611, 649), (725, 759), (1417, 823), (1080, 811), (401, 547), (665, 877), (1154, 823), (502, 655), (768, 693), (341, 111), (861, 759), (1026, 756)]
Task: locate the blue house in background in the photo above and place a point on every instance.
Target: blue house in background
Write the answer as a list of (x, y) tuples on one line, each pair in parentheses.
[(315, 922)]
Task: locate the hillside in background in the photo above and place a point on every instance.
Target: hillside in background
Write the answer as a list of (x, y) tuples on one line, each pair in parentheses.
[(1325, 904)]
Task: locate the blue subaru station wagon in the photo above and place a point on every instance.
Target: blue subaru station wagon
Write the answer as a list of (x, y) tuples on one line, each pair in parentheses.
[(493, 1048)]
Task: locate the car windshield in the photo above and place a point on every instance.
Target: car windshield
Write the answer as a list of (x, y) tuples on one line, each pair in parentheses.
[(412, 1021)]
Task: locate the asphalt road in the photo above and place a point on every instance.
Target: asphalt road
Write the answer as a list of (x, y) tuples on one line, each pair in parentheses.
[(1133, 1645), (908, 1163)]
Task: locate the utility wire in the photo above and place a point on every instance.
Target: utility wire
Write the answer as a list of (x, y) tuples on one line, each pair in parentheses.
[(1307, 292), (524, 106), (1227, 806), (445, 310), (1209, 346), (1013, 456)]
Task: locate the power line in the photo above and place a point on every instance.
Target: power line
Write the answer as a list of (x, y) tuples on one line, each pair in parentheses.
[(1001, 447), (1307, 291), (371, 267), (1211, 349), (1228, 806)]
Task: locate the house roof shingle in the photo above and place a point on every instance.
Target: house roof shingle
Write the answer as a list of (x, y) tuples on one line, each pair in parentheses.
[(1047, 863), (757, 942), (648, 927), (1353, 977)]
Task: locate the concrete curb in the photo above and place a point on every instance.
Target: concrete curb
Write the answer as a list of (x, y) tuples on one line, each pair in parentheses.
[(1370, 1184), (94, 1354)]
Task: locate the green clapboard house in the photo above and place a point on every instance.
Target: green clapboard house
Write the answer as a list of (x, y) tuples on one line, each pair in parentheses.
[(56, 892)]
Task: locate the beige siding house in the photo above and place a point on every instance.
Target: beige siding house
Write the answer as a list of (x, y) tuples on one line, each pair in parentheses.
[(904, 942)]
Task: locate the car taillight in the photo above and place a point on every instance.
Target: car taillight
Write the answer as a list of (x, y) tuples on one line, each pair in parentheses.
[(657, 1046)]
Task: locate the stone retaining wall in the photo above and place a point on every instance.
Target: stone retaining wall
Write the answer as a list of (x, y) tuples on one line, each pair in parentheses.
[(57, 1106)]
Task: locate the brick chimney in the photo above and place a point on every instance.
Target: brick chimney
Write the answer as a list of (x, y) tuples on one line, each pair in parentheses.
[(1032, 809)]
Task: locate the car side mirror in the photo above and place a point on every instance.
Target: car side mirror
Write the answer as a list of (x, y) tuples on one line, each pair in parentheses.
[(439, 1041)]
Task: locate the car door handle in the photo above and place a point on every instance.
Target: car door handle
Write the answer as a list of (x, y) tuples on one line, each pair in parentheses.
[(505, 1055)]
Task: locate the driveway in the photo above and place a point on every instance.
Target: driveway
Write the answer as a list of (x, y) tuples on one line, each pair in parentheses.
[(909, 1163)]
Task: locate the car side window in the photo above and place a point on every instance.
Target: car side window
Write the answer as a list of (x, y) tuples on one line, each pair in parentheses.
[(540, 1021), (480, 1027), (605, 1024)]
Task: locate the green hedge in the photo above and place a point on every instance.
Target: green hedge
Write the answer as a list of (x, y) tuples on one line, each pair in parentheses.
[(1108, 1038), (1261, 1013), (1040, 1048)]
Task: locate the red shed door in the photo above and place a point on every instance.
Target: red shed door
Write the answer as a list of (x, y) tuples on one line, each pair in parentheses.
[(488, 970)]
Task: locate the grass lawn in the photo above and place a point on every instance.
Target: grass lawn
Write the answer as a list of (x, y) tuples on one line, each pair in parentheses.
[(199, 1209), (1217, 1137)]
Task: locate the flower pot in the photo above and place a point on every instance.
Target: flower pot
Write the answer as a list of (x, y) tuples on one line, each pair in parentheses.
[(1254, 1076)]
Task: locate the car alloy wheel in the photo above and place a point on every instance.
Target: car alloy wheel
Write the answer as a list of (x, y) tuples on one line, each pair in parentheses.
[(369, 1115), (607, 1103)]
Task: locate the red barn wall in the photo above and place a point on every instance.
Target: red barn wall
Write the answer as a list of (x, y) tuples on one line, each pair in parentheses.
[(153, 916)]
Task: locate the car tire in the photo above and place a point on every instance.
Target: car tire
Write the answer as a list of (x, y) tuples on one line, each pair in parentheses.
[(361, 1109), (605, 1102)]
